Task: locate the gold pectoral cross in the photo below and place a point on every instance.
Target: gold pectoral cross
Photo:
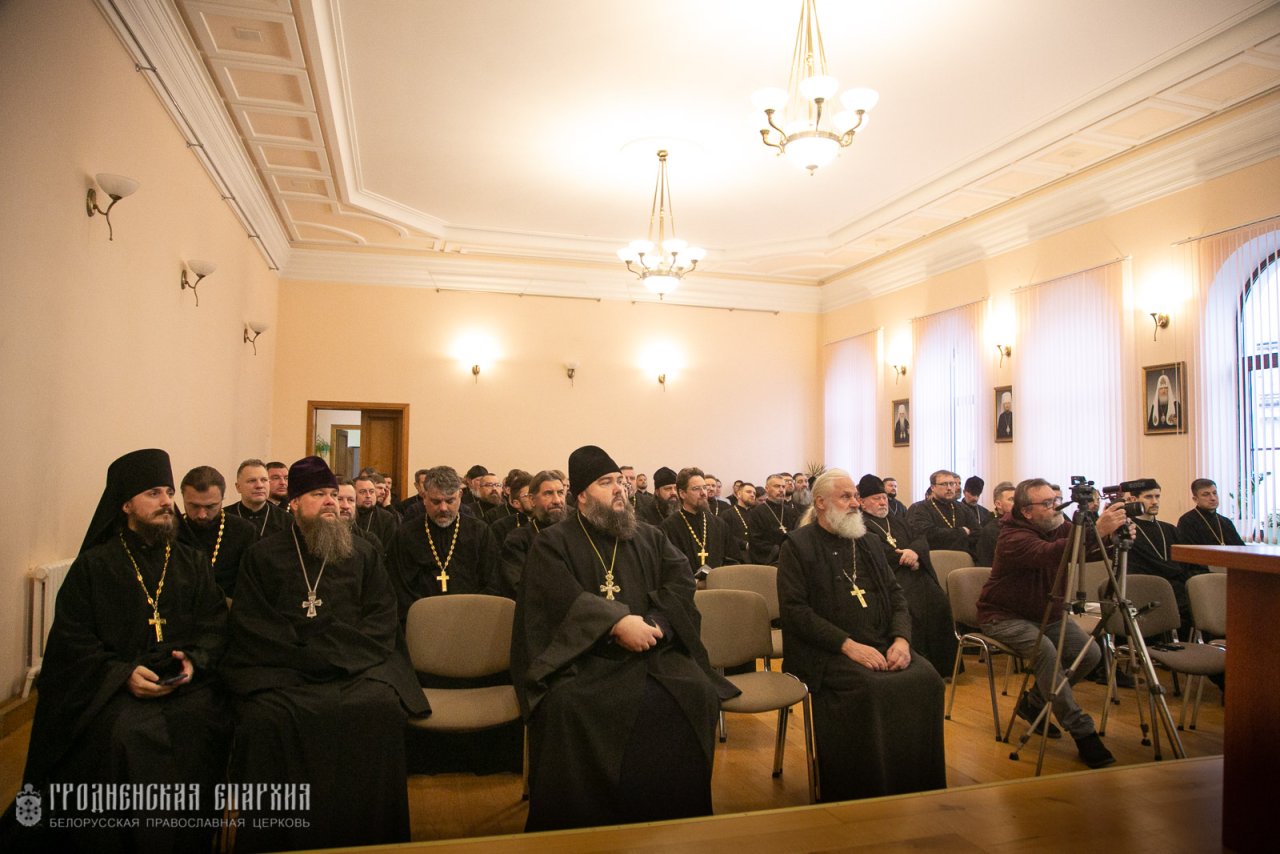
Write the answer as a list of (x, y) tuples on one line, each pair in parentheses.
[(157, 621), (782, 527), (858, 592), (443, 578), (892, 542), (702, 556), (311, 603), (609, 588)]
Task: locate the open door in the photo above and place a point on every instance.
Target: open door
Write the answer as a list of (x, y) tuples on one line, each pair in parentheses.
[(384, 436)]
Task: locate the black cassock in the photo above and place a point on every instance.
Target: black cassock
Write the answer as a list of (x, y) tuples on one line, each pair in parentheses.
[(225, 551), (1207, 529), (767, 526), (379, 521), (1152, 555), (89, 729), (614, 736), (877, 732), (932, 630), (681, 529), (414, 570), (942, 524), (266, 520), (735, 518), (320, 700)]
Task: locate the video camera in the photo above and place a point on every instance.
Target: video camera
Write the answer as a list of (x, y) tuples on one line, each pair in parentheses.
[(1132, 509)]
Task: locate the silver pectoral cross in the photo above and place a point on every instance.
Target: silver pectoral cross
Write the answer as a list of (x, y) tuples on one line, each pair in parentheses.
[(311, 603)]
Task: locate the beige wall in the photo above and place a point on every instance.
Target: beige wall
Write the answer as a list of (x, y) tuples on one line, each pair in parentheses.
[(1146, 235), (100, 351), (725, 408)]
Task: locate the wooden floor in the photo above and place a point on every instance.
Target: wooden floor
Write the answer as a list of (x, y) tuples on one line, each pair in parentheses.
[(452, 806)]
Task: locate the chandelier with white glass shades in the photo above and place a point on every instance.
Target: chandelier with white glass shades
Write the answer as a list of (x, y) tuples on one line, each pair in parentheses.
[(800, 120), (662, 259)]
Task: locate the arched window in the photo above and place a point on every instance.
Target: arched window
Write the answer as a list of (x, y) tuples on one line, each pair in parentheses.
[(1259, 336)]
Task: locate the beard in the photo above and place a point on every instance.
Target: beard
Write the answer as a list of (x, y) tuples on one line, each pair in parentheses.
[(327, 539), (618, 523), (160, 529), (879, 513), (848, 525), (443, 522), (1052, 524), (550, 517)]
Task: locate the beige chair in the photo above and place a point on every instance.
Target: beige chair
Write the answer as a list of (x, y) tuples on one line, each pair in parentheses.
[(946, 560), (735, 630), (963, 586), (464, 636), (1196, 660), (757, 578), (1208, 595)]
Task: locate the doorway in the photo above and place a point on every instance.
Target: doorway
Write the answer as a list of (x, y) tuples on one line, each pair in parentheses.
[(351, 435)]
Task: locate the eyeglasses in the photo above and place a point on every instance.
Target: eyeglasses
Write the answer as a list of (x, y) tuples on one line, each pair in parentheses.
[(1047, 504), (947, 483)]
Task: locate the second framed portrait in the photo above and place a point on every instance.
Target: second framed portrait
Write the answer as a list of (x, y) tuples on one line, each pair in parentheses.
[(1004, 413), (901, 423), (1164, 391)]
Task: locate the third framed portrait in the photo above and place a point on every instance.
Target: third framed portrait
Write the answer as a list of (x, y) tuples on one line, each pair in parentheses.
[(901, 423), (1164, 395), (1004, 413)]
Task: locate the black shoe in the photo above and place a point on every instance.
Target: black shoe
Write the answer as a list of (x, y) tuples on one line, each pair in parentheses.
[(1093, 752), (1025, 711)]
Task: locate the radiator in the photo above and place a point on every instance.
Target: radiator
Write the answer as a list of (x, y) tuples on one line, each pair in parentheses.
[(45, 581)]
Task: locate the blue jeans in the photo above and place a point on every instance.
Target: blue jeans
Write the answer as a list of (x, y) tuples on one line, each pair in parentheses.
[(1020, 636)]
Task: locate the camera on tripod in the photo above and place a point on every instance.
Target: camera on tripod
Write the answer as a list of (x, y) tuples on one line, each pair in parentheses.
[(1082, 492), (1132, 509)]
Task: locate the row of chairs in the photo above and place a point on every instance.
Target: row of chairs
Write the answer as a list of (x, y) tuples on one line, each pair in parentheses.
[(468, 636)]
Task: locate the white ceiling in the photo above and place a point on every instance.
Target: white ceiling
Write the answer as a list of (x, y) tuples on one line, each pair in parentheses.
[(525, 131)]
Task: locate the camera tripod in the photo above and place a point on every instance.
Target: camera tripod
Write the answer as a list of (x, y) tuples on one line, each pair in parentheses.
[(1114, 605)]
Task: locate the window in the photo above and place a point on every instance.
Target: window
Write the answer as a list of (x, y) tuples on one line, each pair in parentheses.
[(1259, 353)]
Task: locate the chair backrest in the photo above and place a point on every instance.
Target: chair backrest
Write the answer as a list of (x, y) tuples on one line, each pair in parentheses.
[(964, 583), (748, 576), (1093, 577), (461, 636), (1142, 590), (1208, 595), (946, 560), (735, 626)]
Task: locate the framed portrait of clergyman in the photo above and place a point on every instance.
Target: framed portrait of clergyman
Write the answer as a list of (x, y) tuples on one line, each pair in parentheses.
[(901, 423), (1164, 399), (1004, 413)]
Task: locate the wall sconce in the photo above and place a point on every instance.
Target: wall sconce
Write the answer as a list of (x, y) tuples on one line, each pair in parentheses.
[(1161, 321), (898, 371), (662, 381), (116, 187), (475, 372), (201, 269), (570, 370), (257, 327), (1005, 352)]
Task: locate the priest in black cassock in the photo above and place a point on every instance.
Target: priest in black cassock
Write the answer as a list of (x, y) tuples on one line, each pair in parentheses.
[(942, 520), (127, 687), (443, 552), (932, 630), (877, 709), (664, 501), (547, 507), (1152, 553), (1203, 525), (207, 527), (769, 522), (519, 505), (700, 536), (736, 520), (253, 484), (372, 518), (322, 692), (613, 680)]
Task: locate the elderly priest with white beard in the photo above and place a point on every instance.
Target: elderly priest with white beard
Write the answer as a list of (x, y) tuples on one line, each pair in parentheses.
[(322, 693), (877, 708)]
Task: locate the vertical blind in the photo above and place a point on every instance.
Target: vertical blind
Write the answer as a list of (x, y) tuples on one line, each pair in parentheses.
[(1235, 286), (951, 424), (850, 417), (1069, 375)]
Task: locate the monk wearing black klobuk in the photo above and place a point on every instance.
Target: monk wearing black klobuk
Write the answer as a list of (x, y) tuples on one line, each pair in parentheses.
[(847, 630), (322, 692), (127, 687)]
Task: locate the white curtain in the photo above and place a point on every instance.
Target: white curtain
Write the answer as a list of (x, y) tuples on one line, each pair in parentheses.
[(1070, 369), (852, 389), (1235, 287), (951, 423)]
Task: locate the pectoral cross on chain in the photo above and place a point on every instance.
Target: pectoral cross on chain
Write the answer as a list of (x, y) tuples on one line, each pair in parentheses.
[(609, 588), (311, 603), (443, 578), (157, 621), (702, 556), (858, 592)]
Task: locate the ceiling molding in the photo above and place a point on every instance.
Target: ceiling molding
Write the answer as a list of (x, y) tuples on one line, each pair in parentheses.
[(1233, 142), (154, 31)]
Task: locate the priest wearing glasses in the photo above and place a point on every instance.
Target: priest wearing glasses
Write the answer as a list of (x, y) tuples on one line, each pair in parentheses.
[(322, 693)]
